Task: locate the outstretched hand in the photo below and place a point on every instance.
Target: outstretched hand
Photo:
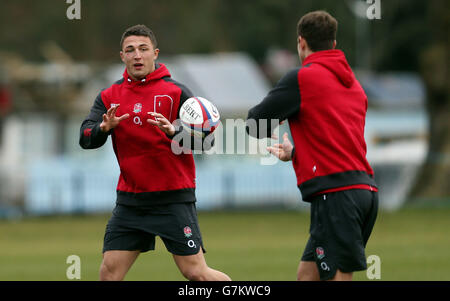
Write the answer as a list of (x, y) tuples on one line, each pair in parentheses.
[(282, 151), (110, 120), (160, 121)]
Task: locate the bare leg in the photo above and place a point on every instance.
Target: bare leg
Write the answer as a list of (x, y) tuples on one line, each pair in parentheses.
[(194, 268), (341, 276), (307, 271), (116, 264)]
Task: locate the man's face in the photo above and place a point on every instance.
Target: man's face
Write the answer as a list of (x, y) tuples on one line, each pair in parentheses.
[(139, 56)]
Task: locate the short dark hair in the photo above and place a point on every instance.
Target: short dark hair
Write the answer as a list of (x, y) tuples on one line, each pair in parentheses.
[(319, 29), (139, 30)]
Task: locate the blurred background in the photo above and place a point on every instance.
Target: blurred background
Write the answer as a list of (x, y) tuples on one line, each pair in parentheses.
[(231, 52)]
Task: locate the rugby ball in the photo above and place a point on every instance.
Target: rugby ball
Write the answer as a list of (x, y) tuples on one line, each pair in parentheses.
[(199, 116)]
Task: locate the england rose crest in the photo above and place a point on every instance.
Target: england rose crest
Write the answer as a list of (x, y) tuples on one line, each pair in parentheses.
[(137, 108), (320, 253), (187, 231)]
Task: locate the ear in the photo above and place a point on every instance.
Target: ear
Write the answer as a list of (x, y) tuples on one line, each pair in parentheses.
[(156, 53), (302, 42), (122, 56), (334, 44)]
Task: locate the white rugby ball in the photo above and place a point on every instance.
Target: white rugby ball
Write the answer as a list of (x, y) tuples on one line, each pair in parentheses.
[(199, 116)]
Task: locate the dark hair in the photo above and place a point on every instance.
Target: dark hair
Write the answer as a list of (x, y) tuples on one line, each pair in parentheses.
[(319, 29), (139, 30)]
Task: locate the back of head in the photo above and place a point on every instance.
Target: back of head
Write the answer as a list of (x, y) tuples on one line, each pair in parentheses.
[(319, 29)]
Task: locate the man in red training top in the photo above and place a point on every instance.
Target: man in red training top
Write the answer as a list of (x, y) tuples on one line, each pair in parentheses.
[(326, 109), (156, 189)]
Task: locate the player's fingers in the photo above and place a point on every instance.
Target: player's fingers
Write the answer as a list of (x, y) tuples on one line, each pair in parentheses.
[(169, 129), (274, 151), (105, 118), (163, 120), (277, 146), (286, 142), (153, 122), (124, 116), (277, 154), (114, 110), (109, 112), (157, 115)]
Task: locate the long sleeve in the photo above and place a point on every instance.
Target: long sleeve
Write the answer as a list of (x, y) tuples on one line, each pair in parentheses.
[(90, 134), (280, 103)]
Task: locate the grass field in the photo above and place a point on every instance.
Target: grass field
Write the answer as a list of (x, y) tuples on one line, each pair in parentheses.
[(413, 244)]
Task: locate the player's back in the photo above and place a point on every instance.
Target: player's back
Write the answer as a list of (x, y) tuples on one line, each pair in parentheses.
[(328, 131)]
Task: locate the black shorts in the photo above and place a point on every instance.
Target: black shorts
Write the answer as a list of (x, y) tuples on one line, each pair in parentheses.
[(134, 228), (341, 223)]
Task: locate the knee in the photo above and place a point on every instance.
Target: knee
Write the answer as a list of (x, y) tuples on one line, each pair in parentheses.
[(194, 274), (109, 273)]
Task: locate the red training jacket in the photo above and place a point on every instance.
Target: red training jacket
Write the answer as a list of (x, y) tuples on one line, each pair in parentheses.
[(326, 109), (150, 173)]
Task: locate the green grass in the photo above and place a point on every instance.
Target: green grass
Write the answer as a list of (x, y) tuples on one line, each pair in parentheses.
[(413, 244)]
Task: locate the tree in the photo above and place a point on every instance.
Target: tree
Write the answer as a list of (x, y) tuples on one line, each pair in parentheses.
[(433, 179)]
